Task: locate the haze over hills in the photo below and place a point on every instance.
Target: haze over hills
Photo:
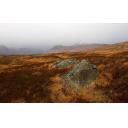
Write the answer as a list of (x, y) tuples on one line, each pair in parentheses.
[(19, 51), (25, 38), (64, 48), (75, 47), (55, 49), (4, 50)]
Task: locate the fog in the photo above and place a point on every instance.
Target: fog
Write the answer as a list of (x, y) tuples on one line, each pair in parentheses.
[(37, 35)]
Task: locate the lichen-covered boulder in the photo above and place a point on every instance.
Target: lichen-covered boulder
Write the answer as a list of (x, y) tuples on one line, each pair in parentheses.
[(82, 74), (65, 63)]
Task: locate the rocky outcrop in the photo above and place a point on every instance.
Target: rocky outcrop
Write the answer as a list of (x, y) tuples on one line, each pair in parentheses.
[(82, 73)]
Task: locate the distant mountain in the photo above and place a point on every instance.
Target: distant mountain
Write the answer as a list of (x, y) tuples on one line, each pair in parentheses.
[(75, 48), (4, 50), (97, 48), (28, 51), (21, 51)]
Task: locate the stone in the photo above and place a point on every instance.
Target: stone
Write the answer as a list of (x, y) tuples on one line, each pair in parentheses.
[(82, 74)]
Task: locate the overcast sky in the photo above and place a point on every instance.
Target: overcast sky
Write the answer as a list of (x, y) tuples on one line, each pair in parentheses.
[(42, 35)]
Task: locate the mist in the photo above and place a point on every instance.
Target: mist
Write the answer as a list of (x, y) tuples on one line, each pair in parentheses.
[(46, 35)]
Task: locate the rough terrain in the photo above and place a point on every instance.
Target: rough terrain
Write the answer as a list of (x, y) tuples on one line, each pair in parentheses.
[(35, 78)]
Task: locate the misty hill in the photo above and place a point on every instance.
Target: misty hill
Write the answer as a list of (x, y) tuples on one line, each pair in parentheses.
[(75, 48), (104, 48), (21, 51), (4, 50)]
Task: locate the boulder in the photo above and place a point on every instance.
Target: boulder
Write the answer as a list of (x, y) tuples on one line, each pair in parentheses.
[(82, 74)]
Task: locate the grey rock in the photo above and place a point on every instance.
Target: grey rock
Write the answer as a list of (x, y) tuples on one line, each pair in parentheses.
[(82, 74)]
